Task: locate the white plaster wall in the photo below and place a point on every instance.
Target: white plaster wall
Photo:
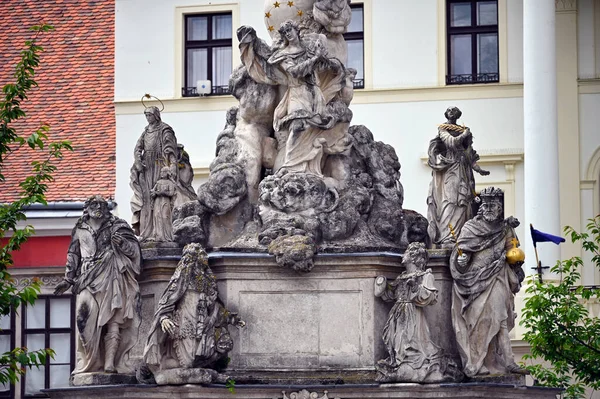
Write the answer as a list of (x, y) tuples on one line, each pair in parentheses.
[(589, 126), (404, 43), (409, 127), (145, 43), (585, 39), (514, 11)]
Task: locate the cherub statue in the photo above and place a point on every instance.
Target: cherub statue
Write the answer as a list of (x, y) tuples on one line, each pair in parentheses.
[(163, 194)]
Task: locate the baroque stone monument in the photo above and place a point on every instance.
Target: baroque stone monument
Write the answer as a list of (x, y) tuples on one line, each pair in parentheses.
[(103, 263), (303, 219)]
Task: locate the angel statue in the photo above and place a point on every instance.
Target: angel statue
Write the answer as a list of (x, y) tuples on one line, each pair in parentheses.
[(312, 80)]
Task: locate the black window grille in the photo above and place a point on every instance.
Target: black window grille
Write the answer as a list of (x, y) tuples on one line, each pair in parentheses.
[(355, 40), (7, 343), (49, 324), (472, 41), (208, 53)]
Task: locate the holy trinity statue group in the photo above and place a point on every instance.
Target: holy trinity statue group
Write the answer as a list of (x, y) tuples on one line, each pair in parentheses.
[(291, 177)]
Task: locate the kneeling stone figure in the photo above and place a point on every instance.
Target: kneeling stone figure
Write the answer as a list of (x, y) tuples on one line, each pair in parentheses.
[(189, 329)]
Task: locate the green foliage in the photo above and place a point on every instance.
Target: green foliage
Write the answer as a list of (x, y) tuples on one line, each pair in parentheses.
[(559, 327), (230, 385), (33, 189)]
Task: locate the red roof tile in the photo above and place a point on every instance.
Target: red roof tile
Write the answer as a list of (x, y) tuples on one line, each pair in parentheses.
[(75, 93)]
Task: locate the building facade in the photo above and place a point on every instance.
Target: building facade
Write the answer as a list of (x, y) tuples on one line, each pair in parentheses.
[(526, 75)]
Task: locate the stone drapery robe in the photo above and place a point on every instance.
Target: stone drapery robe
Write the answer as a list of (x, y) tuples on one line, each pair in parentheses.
[(483, 294), (452, 185), (154, 149), (406, 332), (104, 280), (201, 337)]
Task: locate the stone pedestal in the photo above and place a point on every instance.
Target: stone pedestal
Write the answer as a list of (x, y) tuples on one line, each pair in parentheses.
[(325, 325), (99, 378), (405, 391)]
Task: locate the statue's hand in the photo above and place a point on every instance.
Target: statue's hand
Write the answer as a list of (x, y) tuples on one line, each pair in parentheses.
[(463, 259), (246, 34), (116, 239), (168, 326), (62, 287), (512, 222)]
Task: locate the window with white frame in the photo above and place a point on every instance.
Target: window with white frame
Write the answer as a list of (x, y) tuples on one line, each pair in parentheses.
[(472, 41), (355, 40), (207, 52), (49, 324)]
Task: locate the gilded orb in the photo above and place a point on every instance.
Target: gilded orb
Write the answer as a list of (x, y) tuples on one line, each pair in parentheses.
[(515, 254)]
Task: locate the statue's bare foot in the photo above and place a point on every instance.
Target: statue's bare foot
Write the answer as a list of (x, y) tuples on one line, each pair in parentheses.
[(110, 370), (483, 371)]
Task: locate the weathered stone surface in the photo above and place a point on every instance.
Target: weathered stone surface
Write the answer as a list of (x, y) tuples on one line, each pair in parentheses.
[(412, 355), (289, 167), (160, 179), (103, 262), (326, 320), (452, 188), (98, 378), (483, 307), (373, 391), (181, 376), (189, 328)]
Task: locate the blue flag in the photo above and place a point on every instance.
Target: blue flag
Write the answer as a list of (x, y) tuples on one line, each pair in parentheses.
[(538, 236)]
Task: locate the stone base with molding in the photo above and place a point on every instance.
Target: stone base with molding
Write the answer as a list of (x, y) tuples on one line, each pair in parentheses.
[(365, 391)]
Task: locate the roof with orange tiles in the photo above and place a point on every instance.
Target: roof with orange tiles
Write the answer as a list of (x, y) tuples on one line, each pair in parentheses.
[(75, 93)]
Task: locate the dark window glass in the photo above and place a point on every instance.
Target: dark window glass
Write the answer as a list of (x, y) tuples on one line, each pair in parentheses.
[(208, 53), (355, 39), (472, 32), (49, 324)]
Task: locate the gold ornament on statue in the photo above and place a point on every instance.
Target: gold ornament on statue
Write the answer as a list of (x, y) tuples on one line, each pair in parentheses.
[(515, 254)]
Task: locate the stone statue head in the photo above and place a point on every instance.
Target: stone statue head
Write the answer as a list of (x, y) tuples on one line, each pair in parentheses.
[(152, 114), (491, 208), (165, 173), (95, 207), (289, 31), (453, 114), (416, 254), (194, 254)]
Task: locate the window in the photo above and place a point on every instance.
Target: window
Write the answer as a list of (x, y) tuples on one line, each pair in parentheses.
[(355, 39), (48, 324), (472, 32), (208, 52), (7, 343)]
